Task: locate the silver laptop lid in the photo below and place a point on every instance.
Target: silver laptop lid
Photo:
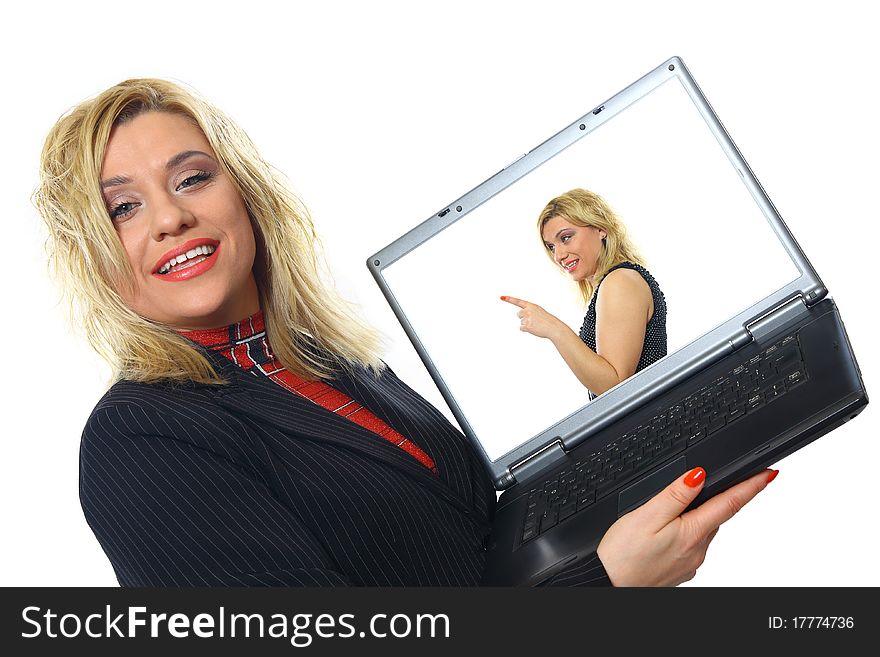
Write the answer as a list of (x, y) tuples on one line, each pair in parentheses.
[(658, 154)]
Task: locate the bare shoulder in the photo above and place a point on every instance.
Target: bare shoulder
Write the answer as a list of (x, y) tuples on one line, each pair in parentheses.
[(624, 283)]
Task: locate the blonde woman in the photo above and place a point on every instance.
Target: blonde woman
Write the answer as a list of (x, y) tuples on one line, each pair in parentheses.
[(252, 435), (624, 329)]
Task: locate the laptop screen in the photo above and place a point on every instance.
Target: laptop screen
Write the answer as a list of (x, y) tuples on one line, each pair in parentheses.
[(685, 206)]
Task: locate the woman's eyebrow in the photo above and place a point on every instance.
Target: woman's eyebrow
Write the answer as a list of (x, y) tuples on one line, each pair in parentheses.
[(173, 162), (182, 157), (114, 181)]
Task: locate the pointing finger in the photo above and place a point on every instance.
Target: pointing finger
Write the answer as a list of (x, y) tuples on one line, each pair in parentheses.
[(515, 301)]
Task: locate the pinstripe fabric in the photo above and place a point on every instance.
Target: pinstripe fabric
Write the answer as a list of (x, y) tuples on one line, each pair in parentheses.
[(246, 344), (250, 485)]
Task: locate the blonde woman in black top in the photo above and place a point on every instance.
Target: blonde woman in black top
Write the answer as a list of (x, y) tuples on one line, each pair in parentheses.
[(624, 329)]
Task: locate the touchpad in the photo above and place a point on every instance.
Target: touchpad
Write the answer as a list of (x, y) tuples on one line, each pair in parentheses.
[(641, 491)]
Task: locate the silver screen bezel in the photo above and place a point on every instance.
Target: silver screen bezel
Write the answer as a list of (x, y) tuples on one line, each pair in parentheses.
[(647, 384)]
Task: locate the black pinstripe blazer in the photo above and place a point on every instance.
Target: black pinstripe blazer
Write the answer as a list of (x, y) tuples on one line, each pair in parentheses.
[(247, 484)]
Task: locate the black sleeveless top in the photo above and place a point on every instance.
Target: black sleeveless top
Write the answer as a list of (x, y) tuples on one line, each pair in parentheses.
[(655, 331)]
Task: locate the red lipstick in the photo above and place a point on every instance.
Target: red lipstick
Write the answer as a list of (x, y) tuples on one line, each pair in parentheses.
[(191, 271)]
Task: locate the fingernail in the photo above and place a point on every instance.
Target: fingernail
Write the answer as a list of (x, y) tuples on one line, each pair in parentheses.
[(772, 475), (695, 477), (504, 298)]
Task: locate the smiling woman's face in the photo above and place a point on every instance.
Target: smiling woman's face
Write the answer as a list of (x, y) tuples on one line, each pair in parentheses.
[(574, 248), (182, 223)]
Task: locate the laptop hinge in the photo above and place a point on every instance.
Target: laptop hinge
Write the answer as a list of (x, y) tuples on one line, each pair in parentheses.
[(781, 314), (537, 461)]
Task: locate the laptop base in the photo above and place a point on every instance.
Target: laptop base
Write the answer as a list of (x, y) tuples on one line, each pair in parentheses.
[(831, 394)]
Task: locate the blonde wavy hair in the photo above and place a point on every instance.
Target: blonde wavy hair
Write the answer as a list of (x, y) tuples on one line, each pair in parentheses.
[(581, 207), (301, 309)]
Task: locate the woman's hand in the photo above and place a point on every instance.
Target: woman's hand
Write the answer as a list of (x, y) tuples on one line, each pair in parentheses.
[(658, 544), (535, 320)]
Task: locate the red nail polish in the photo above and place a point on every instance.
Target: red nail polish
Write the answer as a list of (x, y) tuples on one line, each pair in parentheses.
[(504, 298), (695, 477), (772, 475)]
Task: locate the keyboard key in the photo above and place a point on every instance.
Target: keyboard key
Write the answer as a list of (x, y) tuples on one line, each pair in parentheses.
[(735, 413), (775, 391), (604, 487), (786, 356), (715, 424), (549, 521), (666, 450), (640, 462), (586, 500), (696, 437)]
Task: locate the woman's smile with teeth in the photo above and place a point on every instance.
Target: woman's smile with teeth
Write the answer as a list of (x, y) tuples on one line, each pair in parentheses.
[(191, 257), (570, 265)]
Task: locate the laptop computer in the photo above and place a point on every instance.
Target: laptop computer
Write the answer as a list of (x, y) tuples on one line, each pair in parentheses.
[(758, 362)]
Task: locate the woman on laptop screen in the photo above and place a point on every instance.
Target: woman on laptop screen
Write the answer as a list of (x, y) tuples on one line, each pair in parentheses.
[(624, 329), (252, 435)]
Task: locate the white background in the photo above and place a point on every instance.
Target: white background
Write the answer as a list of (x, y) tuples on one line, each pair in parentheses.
[(382, 112)]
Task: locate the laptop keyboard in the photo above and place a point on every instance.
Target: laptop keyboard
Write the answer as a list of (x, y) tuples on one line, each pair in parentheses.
[(754, 383)]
